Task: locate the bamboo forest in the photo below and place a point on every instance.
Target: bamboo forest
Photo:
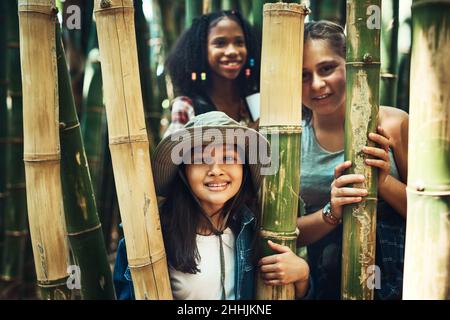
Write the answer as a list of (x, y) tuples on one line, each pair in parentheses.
[(112, 185)]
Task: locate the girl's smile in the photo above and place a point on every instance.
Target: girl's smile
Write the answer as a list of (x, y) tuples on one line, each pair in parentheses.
[(215, 178)]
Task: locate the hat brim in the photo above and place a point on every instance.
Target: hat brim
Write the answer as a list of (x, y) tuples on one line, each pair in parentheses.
[(170, 151)]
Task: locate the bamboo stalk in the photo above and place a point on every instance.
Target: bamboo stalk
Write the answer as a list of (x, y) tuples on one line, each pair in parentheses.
[(332, 10), (41, 146), (3, 123), (389, 52), (16, 226), (83, 225), (282, 53), (428, 224), (143, 47), (193, 9), (362, 103), (129, 149)]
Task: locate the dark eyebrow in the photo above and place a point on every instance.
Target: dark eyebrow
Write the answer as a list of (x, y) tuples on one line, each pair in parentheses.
[(321, 64)]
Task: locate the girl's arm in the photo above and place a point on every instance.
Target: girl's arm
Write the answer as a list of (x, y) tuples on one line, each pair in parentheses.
[(181, 112), (395, 127)]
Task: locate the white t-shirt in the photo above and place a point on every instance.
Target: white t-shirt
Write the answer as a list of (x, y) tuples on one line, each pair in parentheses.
[(206, 284)]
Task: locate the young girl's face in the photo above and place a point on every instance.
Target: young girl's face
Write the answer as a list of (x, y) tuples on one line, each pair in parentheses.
[(323, 78), (227, 52), (217, 178)]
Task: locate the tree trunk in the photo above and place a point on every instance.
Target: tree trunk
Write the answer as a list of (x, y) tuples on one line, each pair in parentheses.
[(282, 53), (16, 225), (41, 146), (389, 52), (83, 226), (362, 104), (427, 255), (130, 149)]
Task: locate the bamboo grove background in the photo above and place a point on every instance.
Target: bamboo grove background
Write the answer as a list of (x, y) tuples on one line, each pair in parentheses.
[(83, 128)]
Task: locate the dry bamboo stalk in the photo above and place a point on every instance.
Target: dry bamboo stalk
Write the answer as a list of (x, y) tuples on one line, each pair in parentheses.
[(281, 85), (41, 144), (281, 96), (129, 149)]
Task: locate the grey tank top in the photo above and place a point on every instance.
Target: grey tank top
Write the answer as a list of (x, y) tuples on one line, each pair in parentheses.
[(317, 170)]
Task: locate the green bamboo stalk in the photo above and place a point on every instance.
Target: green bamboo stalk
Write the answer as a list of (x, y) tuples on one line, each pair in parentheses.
[(428, 224), (332, 10), (245, 8), (16, 225), (404, 64), (171, 25), (83, 225), (214, 5), (281, 58), (389, 52), (3, 123), (193, 9), (229, 5), (143, 47), (158, 49), (362, 103)]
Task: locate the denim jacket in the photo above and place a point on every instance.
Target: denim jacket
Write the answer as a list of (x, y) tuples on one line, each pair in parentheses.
[(245, 269)]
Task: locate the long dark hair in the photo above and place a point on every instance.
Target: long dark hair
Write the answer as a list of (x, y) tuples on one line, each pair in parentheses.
[(190, 54), (180, 216), (334, 35)]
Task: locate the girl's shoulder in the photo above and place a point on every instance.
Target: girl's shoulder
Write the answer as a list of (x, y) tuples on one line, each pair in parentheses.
[(395, 122)]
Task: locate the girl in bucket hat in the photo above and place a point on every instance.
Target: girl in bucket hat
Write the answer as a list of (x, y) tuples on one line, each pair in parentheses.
[(209, 174)]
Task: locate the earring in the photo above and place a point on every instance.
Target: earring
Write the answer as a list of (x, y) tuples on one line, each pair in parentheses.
[(194, 76), (203, 75)]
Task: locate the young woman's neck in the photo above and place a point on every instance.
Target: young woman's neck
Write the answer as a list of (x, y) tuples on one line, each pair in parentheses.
[(225, 96), (329, 122)]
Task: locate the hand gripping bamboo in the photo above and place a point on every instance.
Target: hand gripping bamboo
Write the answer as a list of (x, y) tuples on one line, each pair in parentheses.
[(281, 97), (362, 103), (41, 145), (129, 148)]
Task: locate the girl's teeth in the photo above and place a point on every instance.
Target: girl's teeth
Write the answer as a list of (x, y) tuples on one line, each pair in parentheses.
[(217, 185)]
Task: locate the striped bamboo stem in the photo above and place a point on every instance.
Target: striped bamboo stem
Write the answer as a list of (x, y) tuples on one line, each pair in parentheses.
[(427, 255), (282, 53), (83, 225), (362, 103), (41, 146), (130, 149), (389, 52)]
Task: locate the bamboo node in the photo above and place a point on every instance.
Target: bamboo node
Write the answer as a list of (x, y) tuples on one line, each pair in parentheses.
[(288, 236), (368, 58), (420, 186), (105, 4)]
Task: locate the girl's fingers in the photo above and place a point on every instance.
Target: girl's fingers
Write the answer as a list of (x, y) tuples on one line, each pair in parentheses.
[(273, 283), (380, 139), (269, 260), (350, 192), (266, 268), (270, 276), (348, 179), (382, 164), (278, 247), (344, 201), (376, 152), (340, 168)]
